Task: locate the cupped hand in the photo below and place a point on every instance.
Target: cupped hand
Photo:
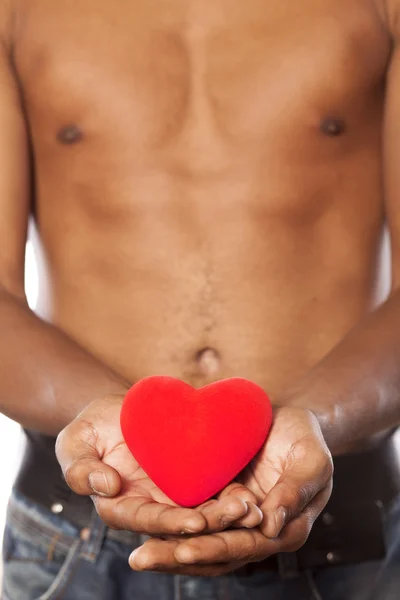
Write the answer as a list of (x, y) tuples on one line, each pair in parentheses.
[(291, 479), (96, 461)]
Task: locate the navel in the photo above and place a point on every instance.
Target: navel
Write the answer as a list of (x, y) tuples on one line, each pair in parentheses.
[(332, 126), (70, 134), (208, 361)]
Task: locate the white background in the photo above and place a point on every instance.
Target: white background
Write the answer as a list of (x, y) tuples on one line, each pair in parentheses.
[(10, 437)]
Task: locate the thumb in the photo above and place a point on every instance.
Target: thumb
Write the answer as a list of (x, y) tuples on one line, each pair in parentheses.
[(294, 491), (83, 469)]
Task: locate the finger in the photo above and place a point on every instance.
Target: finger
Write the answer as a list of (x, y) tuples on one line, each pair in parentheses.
[(253, 518), (143, 515), (221, 513), (296, 532), (160, 557), (250, 545), (155, 555), (224, 513), (226, 551), (254, 515), (83, 469), (244, 545), (238, 490), (294, 490)]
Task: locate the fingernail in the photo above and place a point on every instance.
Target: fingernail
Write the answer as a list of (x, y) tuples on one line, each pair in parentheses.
[(132, 556), (255, 509), (191, 527), (280, 519), (99, 483), (185, 555)]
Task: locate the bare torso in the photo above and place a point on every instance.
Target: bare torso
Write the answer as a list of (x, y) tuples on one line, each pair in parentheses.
[(207, 178)]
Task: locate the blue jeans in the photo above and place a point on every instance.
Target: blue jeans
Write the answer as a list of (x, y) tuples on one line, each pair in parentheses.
[(47, 558)]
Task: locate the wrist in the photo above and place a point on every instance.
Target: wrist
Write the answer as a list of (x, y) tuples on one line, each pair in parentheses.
[(113, 390), (327, 415)]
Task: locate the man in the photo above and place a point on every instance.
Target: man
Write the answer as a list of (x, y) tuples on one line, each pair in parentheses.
[(209, 183)]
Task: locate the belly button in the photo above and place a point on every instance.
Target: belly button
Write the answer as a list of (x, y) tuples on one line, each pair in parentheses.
[(208, 361)]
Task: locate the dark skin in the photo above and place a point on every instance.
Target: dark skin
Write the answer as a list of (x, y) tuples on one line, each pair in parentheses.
[(209, 184)]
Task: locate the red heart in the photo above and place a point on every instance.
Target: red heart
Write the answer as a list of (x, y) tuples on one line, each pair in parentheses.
[(190, 442)]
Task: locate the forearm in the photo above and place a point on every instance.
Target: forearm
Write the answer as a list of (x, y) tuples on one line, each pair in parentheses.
[(355, 390), (46, 378)]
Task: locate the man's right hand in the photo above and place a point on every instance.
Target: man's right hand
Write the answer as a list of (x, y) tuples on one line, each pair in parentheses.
[(96, 461)]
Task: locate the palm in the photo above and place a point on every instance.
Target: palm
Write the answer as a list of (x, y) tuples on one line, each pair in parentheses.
[(287, 443), (135, 482), (291, 480), (133, 501), (111, 447)]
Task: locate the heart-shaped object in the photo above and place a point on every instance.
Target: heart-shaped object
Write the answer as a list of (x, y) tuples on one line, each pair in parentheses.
[(193, 442)]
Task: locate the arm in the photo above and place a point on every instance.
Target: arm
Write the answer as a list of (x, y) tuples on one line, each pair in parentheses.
[(45, 377), (355, 390)]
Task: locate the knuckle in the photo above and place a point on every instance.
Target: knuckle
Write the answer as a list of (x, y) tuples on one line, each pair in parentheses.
[(142, 519), (250, 549), (228, 549), (255, 551), (163, 517)]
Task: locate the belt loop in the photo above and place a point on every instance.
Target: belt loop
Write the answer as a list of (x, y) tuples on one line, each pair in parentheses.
[(96, 532)]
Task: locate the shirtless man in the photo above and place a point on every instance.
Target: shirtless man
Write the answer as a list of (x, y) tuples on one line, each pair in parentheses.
[(209, 184)]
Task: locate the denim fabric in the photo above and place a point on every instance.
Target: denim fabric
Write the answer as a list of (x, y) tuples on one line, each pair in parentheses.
[(47, 558)]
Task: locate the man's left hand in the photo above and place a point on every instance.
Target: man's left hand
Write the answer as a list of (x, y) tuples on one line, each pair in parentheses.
[(291, 478)]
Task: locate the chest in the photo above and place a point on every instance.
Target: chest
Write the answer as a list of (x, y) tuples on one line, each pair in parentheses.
[(195, 68)]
